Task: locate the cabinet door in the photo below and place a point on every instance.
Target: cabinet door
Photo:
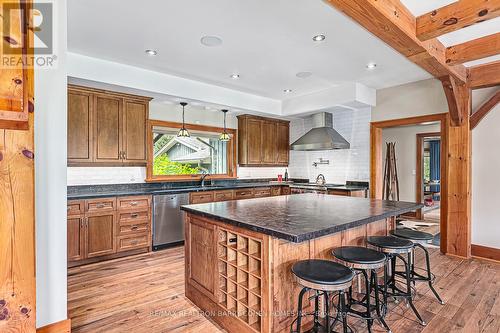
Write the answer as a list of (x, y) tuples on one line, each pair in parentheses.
[(107, 129), (100, 232), (254, 141), (134, 132), (269, 145), (283, 134), (76, 238), (80, 143)]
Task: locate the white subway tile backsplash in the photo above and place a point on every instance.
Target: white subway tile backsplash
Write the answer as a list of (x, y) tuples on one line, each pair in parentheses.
[(105, 175)]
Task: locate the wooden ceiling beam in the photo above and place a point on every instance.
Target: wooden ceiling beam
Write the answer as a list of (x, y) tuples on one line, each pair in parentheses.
[(484, 109), (455, 16), (483, 76), (393, 23), (458, 97), (475, 49)]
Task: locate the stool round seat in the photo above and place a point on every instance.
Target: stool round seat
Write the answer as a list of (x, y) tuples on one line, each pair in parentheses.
[(412, 234), (390, 244), (322, 274), (360, 257)]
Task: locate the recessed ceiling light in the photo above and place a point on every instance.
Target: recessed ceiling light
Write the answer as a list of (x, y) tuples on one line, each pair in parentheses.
[(371, 65), (319, 38), (211, 41), (287, 91), (235, 76), (303, 75), (151, 52)]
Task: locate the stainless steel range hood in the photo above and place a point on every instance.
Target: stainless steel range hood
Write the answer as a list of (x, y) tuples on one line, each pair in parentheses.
[(322, 136)]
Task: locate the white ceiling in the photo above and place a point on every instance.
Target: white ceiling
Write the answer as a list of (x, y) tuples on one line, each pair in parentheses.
[(265, 41)]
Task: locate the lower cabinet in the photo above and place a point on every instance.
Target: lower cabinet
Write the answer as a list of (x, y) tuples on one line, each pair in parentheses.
[(76, 238), (100, 230)]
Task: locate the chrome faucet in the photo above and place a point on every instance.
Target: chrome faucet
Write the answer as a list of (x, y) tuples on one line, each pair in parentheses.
[(205, 175), (320, 179)]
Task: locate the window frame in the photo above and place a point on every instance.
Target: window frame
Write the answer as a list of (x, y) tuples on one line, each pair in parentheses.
[(231, 152)]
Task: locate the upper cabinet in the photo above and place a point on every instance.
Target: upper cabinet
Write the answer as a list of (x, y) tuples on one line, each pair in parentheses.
[(106, 128), (263, 141)]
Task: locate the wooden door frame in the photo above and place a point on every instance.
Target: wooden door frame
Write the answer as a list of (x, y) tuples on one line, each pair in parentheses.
[(376, 162), (419, 167)]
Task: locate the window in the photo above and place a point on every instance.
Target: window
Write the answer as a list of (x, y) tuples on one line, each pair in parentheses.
[(427, 166), (183, 158)]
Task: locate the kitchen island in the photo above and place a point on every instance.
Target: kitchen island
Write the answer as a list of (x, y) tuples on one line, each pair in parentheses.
[(239, 254)]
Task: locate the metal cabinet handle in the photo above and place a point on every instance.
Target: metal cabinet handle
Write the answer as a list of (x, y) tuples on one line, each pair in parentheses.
[(100, 205), (134, 215), (133, 203), (134, 227)]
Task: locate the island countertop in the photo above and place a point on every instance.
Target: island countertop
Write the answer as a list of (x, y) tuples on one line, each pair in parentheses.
[(301, 217)]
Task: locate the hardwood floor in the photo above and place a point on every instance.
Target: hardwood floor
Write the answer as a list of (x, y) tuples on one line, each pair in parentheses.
[(145, 293)]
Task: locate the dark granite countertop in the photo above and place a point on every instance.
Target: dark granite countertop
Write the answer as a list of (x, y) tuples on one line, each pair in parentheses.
[(301, 217), (119, 190)]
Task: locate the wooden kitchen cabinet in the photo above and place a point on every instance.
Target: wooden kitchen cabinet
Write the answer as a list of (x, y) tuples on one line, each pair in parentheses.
[(80, 133), (105, 228), (106, 128), (262, 141), (100, 234), (76, 238)]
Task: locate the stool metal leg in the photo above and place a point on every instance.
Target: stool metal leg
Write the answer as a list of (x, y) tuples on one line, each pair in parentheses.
[(327, 310), (316, 310), (429, 276), (299, 310), (377, 301), (368, 307), (408, 289), (343, 311)]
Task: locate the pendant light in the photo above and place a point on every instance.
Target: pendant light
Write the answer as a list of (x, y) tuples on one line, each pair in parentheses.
[(224, 136), (183, 132)]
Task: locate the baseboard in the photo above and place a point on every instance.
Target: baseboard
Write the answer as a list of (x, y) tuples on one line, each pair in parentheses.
[(485, 252), (63, 326)]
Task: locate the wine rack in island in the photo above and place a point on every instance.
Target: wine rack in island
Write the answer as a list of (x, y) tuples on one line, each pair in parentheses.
[(240, 276)]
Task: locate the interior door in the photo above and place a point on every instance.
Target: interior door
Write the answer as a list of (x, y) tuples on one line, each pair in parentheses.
[(76, 238), (134, 132), (254, 146), (100, 234), (107, 128), (80, 141)]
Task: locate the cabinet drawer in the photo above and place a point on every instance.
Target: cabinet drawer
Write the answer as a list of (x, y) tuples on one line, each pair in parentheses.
[(126, 217), (140, 227), (285, 190), (76, 207), (262, 192), (338, 192), (223, 195), (244, 193), (100, 205), (201, 197), (276, 190), (126, 243), (133, 202)]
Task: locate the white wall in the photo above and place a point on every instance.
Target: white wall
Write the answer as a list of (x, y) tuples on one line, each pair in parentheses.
[(406, 155), (50, 182), (410, 100), (345, 164), (486, 181)]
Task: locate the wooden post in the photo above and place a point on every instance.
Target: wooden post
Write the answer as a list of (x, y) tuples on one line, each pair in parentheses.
[(17, 221), (457, 145)]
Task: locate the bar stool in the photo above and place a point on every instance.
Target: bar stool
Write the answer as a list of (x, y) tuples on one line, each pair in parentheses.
[(323, 277), (394, 248), (419, 238), (366, 262)]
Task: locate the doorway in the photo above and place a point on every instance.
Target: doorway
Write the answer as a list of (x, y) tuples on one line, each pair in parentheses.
[(409, 190)]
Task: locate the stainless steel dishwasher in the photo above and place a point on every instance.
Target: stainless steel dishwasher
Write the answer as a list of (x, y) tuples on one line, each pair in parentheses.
[(168, 224)]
